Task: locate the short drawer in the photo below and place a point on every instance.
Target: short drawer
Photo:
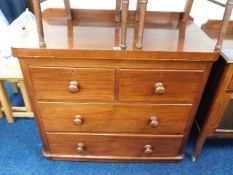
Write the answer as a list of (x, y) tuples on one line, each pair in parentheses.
[(103, 145), (115, 118), (73, 84), (159, 86)]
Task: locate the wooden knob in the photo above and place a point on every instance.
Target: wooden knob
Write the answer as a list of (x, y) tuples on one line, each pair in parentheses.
[(159, 88), (80, 147), (148, 149), (154, 122), (73, 86), (78, 120)]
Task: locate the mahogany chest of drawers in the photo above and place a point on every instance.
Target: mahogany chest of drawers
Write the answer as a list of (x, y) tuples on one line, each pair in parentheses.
[(94, 103), (114, 109)]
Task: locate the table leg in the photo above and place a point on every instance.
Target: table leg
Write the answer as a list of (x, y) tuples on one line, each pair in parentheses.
[(6, 103), (1, 113), (14, 87), (25, 97)]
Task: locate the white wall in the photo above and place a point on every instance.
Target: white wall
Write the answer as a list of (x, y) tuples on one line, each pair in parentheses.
[(202, 9)]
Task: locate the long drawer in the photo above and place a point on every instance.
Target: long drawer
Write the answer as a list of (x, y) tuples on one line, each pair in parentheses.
[(115, 118), (73, 84), (103, 145), (159, 85)]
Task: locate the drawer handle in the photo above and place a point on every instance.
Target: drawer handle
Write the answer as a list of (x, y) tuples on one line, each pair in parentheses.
[(154, 122), (80, 147), (73, 86), (78, 120), (148, 149), (159, 88)]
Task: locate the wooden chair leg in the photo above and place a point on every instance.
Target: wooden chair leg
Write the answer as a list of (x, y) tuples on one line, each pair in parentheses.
[(187, 10), (68, 9), (124, 20), (6, 103), (1, 113), (14, 87), (225, 22), (25, 97), (142, 12), (137, 13), (38, 15), (118, 11)]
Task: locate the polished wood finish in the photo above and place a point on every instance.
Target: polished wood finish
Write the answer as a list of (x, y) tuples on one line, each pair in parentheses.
[(56, 84), (214, 103), (112, 145), (115, 118), (38, 16), (94, 102), (142, 85), (124, 21), (68, 9), (187, 10), (142, 12), (225, 21), (118, 11)]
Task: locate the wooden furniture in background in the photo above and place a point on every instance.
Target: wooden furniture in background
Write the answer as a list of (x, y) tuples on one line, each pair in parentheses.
[(226, 17), (216, 106), (121, 15), (95, 103), (12, 73)]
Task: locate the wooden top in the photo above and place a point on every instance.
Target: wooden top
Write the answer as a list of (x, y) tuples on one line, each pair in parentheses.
[(10, 72), (93, 33)]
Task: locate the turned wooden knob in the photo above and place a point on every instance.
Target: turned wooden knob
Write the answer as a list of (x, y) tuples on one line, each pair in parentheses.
[(80, 147), (148, 149), (78, 120), (73, 86), (159, 88), (154, 122)]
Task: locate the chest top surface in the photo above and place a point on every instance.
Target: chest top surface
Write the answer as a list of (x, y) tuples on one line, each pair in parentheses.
[(96, 31)]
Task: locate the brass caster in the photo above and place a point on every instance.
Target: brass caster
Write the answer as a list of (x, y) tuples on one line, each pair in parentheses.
[(42, 44), (139, 45), (123, 46)]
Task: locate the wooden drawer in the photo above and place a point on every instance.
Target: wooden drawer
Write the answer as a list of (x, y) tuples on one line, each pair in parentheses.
[(115, 118), (59, 84), (159, 86), (109, 146)]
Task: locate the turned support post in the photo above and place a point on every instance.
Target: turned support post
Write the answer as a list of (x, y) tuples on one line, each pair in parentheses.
[(38, 16), (118, 11), (124, 21), (142, 14), (187, 10), (225, 22), (137, 13), (68, 9)]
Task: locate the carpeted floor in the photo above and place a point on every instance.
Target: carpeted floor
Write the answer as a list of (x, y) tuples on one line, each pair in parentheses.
[(20, 154)]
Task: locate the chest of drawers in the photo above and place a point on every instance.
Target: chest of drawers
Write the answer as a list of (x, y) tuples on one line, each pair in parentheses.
[(115, 109), (95, 103)]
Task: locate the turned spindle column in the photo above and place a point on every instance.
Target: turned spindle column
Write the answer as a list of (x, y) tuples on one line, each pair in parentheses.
[(124, 20), (68, 9), (225, 22), (142, 12), (187, 10), (38, 16)]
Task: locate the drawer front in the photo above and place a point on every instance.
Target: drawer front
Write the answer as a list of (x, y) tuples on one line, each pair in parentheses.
[(159, 86), (114, 145), (115, 118), (73, 84)]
